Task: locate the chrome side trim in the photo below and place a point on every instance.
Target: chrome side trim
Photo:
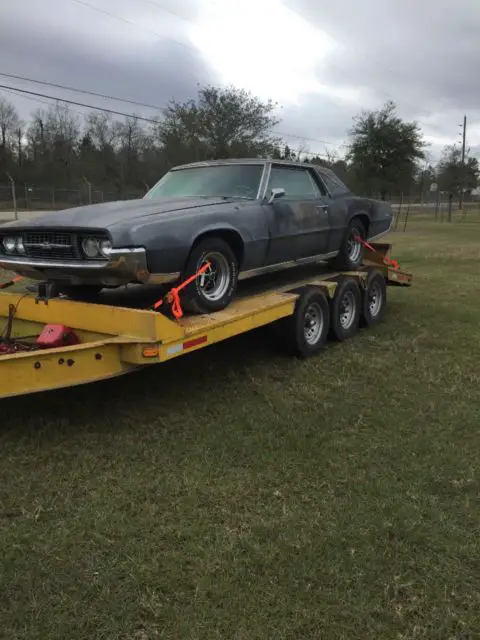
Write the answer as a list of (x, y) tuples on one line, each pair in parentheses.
[(280, 266), (127, 251), (40, 264)]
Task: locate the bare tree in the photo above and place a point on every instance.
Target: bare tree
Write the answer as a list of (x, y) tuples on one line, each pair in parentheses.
[(9, 122)]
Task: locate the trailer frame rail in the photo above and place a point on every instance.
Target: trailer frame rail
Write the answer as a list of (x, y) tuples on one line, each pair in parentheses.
[(115, 340)]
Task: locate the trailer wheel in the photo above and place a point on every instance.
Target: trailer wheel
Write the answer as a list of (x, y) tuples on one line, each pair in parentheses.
[(345, 309), (306, 331), (374, 299)]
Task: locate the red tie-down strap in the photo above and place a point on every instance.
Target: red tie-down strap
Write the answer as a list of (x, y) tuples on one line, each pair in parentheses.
[(173, 296), (388, 261), (10, 283)]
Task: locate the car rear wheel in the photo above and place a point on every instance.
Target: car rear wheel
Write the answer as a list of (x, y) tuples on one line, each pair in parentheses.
[(350, 256), (214, 289)]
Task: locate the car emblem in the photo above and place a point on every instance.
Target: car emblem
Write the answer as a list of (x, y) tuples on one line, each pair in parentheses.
[(47, 245)]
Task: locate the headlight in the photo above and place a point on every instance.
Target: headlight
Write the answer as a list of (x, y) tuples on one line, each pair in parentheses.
[(10, 244), (91, 247), (105, 248), (20, 246)]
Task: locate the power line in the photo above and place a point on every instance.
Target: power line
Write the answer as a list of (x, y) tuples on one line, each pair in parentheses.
[(40, 101), (78, 104), (135, 24), (184, 18), (191, 48), (132, 102), (120, 113), (84, 91), (125, 100)]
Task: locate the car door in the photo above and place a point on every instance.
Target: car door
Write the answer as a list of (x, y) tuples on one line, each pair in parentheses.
[(298, 221), (338, 197)]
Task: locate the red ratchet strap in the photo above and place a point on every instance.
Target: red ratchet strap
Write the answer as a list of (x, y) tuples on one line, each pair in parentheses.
[(173, 297), (10, 283), (388, 261)]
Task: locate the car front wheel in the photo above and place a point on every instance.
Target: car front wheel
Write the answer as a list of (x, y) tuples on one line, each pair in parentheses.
[(214, 289)]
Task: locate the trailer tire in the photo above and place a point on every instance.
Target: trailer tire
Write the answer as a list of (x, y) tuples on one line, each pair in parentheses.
[(345, 309), (374, 299), (306, 331)]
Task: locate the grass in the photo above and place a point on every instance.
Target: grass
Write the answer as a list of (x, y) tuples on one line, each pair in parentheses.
[(239, 494)]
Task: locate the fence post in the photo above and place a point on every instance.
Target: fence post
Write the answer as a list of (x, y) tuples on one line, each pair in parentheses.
[(437, 205), (89, 185), (399, 212), (408, 211), (14, 195)]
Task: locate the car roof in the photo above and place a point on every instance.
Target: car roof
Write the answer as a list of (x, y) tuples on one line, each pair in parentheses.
[(286, 163)]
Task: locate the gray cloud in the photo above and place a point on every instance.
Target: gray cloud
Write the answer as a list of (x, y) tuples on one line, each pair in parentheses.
[(422, 55), (116, 60)]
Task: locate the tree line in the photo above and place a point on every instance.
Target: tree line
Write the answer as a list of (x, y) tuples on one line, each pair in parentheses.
[(386, 156)]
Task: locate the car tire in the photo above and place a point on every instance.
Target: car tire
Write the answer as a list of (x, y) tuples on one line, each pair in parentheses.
[(350, 256), (214, 290)]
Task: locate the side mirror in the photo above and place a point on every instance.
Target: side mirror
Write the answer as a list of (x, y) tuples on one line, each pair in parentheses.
[(276, 193)]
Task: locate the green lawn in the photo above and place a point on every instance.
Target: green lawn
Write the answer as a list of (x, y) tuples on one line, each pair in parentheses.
[(239, 494)]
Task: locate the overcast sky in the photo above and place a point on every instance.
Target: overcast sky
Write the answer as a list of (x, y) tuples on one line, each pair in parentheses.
[(323, 60)]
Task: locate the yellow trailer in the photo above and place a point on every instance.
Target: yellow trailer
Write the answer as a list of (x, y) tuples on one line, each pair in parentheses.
[(107, 340)]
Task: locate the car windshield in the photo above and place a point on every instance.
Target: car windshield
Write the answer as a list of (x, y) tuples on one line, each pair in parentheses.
[(229, 180)]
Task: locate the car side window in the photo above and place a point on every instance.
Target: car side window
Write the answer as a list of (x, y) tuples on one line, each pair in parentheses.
[(299, 184), (334, 184)]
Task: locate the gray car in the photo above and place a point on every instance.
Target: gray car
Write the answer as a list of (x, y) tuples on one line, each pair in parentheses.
[(244, 217)]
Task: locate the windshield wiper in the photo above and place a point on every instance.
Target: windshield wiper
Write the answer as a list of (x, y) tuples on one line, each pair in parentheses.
[(235, 197)]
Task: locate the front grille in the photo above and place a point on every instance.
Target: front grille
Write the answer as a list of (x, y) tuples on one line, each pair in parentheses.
[(52, 246)]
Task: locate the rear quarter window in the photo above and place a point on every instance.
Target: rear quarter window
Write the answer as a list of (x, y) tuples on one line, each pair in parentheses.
[(334, 184)]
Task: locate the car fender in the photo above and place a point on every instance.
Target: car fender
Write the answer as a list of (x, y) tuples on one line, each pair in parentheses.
[(243, 242), (218, 227), (360, 209)]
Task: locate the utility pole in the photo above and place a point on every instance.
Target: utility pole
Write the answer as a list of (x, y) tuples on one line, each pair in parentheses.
[(462, 181)]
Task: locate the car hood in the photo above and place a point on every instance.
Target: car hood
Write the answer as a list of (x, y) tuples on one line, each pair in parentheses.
[(107, 214)]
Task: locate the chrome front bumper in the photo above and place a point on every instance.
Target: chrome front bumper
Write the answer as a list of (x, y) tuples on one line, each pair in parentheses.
[(124, 266)]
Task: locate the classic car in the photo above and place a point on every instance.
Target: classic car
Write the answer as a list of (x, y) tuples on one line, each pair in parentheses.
[(242, 217)]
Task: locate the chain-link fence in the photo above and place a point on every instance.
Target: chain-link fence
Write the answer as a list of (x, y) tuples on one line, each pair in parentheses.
[(29, 197)]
